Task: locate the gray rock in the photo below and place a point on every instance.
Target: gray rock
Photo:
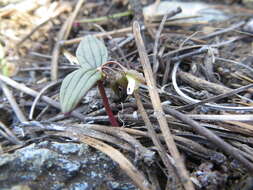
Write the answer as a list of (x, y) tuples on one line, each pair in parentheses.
[(123, 186), (58, 186), (67, 168), (66, 148), (25, 164), (61, 166), (80, 186)]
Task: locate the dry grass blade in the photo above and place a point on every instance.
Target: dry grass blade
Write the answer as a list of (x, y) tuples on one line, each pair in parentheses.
[(153, 135), (220, 117), (38, 97), (31, 92), (215, 98), (203, 84), (147, 155), (230, 150), (182, 172), (36, 28), (63, 35), (8, 134), (241, 127), (113, 33), (99, 35), (233, 27), (13, 102), (157, 37), (137, 177)]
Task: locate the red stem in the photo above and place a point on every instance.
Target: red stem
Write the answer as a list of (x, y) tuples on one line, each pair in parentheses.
[(108, 109)]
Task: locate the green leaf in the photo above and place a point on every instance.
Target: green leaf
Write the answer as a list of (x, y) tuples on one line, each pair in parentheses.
[(2, 53), (75, 86), (91, 52)]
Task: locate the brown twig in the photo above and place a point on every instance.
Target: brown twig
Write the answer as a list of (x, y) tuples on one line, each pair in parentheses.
[(213, 117), (166, 72), (21, 117), (157, 37), (113, 33), (215, 98), (152, 134), (202, 49), (182, 172), (216, 33), (8, 134), (98, 35), (31, 92), (115, 44), (212, 137), (39, 95), (200, 83)]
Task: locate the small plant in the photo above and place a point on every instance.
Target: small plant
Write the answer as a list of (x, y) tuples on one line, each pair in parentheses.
[(6, 68), (92, 56)]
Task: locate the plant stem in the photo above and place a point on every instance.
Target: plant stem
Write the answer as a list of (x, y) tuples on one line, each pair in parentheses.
[(108, 109)]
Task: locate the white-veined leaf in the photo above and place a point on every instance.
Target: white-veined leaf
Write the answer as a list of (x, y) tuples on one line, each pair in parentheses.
[(91, 52), (75, 86)]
